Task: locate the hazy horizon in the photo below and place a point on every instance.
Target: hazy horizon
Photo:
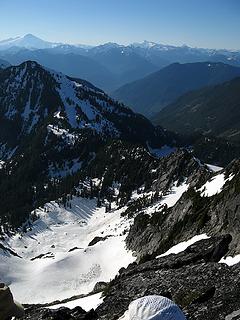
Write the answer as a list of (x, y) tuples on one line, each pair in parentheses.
[(124, 44), (203, 24)]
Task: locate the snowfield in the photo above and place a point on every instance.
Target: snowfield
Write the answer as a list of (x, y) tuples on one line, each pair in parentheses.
[(57, 262)]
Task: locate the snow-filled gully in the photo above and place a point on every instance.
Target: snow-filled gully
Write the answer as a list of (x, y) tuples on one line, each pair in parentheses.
[(57, 262)]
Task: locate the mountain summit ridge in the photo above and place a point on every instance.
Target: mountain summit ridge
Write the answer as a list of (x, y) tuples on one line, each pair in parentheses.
[(31, 94)]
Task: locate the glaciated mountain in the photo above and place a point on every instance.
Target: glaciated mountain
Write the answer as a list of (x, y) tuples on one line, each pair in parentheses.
[(28, 41), (158, 54)]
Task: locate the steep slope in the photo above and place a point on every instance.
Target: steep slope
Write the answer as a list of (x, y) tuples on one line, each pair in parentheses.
[(71, 243), (210, 205), (149, 95), (212, 111), (30, 94), (51, 127), (160, 208), (57, 254), (191, 275)]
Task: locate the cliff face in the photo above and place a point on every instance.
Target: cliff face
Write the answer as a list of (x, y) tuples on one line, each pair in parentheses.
[(194, 213)]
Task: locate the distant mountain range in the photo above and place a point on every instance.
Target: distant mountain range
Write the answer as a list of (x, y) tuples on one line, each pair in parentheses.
[(110, 65), (154, 92), (213, 111)]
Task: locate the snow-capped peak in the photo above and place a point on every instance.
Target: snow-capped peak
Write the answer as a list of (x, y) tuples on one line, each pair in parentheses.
[(28, 41), (145, 44)]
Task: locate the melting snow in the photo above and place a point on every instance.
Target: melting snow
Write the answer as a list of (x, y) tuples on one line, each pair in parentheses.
[(183, 245), (64, 133)]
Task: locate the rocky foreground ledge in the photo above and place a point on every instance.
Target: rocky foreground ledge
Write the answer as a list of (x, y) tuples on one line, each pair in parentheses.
[(35, 313), (194, 279)]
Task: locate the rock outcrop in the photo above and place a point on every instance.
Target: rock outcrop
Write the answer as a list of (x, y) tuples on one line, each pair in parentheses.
[(202, 287), (36, 313), (193, 214)]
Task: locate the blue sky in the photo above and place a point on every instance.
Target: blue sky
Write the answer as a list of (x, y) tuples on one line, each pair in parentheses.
[(201, 23)]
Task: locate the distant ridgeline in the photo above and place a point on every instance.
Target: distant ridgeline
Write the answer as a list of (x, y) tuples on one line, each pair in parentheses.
[(156, 91), (111, 65), (210, 118), (212, 111)]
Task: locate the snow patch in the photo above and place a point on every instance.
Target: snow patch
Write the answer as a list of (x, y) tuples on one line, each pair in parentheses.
[(58, 115), (230, 261), (182, 246), (214, 168), (215, 185), (169, 199), (87, 303), (1, 164)]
